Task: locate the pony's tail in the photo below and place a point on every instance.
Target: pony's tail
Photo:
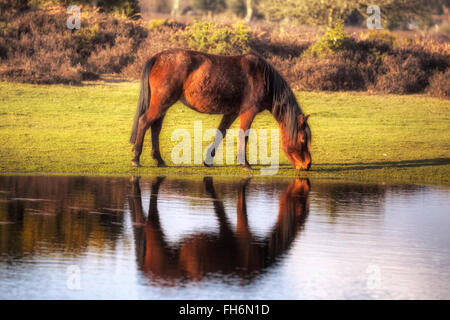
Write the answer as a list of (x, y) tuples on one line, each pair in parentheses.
[(144, 97)]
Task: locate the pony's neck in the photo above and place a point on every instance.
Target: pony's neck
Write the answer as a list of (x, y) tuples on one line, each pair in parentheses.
[(287, 118), (284, 106)]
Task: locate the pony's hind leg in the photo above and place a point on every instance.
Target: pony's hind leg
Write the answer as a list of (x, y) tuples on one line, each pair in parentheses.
[(143, 125), (153, 118), (156, 154)]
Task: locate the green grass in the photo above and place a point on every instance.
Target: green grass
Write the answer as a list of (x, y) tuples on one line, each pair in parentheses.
[(61, 129)]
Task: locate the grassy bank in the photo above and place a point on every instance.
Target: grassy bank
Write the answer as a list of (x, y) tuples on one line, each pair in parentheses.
[(85, 130)]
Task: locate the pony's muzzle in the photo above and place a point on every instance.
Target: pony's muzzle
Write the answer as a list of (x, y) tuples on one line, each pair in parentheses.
[(303, 165), (308, 166)]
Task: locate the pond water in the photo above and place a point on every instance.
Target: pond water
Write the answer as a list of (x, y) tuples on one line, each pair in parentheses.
[(211, 238)]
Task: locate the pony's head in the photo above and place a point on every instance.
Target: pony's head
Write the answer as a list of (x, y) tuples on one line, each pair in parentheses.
[(298, 148), (295, 131)]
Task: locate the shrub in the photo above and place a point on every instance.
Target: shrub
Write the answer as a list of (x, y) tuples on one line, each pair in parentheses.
[(48, 67), (380, 36), (87, 35), (440, 84), (111, 59), (331, 74), (13, 5), (333, 41), (158, 39), (161, 23), (400, 75), (156, 23), (84, 41), (35, 46), (212, 38)]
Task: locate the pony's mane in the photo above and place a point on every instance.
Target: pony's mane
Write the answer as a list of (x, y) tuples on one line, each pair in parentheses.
[(285, 108)]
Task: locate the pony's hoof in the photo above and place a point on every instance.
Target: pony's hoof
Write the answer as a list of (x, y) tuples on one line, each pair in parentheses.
[(247, 167), (161, 165), (135, 164)]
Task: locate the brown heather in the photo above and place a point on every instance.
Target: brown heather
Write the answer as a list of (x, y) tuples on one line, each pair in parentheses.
[(440, 84), (37, 47)]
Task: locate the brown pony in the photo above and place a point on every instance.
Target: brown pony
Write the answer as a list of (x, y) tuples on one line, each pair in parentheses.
[(235, 86)]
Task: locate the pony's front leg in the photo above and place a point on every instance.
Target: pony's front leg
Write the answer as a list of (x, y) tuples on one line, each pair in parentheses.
[(246, 120), (225, 123)]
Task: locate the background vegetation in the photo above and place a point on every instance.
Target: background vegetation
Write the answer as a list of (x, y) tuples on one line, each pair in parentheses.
[(37, 47)]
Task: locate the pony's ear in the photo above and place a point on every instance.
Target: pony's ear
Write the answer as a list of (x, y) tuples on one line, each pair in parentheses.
[(306, 117), (302, 120)]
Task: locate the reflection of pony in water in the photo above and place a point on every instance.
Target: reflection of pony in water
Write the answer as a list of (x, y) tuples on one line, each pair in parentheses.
[(234, 86), (228, 252)]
